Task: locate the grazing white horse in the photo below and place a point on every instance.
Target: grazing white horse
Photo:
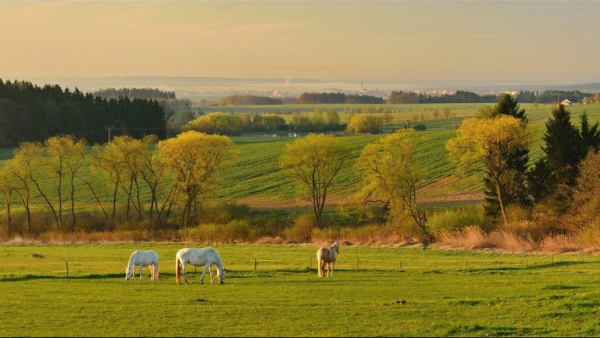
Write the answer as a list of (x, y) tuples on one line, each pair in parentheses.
[(326, 258), (198, 257), (141, 259)]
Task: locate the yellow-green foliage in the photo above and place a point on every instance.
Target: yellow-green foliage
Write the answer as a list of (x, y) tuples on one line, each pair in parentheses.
[(391, 172), (363, 123), (302, 228), (455, 219), (234, 231)]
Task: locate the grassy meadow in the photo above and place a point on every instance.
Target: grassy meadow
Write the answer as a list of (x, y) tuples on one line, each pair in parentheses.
[(375, 291)]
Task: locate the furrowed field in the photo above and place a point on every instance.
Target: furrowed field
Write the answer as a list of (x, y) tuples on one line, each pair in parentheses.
[(402, 291)]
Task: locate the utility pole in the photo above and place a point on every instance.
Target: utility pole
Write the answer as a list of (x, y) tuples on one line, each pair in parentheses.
[(109, 129)]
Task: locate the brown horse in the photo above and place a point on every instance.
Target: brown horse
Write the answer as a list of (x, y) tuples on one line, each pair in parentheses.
[(326, 258)]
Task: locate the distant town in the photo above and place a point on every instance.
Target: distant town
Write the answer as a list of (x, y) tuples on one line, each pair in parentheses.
[(205, 90)]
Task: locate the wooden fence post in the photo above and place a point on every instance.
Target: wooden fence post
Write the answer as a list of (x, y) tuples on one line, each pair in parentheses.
[(67, 268), (254, 264)]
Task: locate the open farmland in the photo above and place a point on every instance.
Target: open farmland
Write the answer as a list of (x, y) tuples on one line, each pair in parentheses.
[(403, 291), (256, 179)]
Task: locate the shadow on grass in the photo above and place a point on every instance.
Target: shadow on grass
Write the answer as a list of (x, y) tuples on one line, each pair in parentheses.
[(478, 330), (15, 278)]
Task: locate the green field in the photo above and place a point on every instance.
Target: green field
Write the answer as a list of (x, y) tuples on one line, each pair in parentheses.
[(375, 291)]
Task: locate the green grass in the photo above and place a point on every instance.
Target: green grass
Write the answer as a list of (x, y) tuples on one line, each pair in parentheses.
[(394, 292)]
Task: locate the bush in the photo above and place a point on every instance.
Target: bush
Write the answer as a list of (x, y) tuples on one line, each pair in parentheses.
[(448, 220), (234, 231), (302, 228)]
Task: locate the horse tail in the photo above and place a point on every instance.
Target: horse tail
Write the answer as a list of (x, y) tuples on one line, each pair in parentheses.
[(319, 264), (177, 269)]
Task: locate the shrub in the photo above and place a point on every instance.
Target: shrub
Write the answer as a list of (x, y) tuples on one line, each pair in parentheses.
[(302, 228), (448, 220), (234, 231)]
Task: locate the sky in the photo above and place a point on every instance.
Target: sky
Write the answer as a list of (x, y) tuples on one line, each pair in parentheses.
[(418, 41)]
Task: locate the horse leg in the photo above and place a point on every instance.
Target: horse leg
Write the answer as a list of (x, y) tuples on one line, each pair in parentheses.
[(210, 270), (206, 267), (184, 277), (140, 271), (152, 271), (332, 267), (183, 273)]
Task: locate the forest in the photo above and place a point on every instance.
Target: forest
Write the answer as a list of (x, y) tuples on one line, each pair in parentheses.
[(32, 113)]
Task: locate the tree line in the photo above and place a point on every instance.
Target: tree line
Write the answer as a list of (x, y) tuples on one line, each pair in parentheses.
[(178, 173), (236, 124), (524, 96), (32, 113), (409, 97), (138, 93)]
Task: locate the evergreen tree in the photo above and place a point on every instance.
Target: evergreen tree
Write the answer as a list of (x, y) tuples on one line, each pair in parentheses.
[(555, 174), (589, 136), (562, 147), (517, 194)]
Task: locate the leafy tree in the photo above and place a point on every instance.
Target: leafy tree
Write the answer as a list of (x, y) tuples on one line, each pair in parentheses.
[(21, 169), (584, 206), (332, 116), (484, 111), (65, 156), (272, 122), (317, 118), (391, 174), (313, 163), (489, 146), (197, 160), (516, 162), (216, 123), (363, 123), (6, 189)]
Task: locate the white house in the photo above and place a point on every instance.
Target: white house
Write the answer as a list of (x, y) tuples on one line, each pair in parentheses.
[(567, 102)]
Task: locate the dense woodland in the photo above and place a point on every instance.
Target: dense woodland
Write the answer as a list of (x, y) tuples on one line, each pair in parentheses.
[(32, 113), (404, 97), (523, 96), (138, 93)]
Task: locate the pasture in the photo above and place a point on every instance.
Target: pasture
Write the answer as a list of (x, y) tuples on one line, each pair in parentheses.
[(269, 290)]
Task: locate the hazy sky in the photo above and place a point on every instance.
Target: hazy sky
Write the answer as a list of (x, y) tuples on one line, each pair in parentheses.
[(427, 41)]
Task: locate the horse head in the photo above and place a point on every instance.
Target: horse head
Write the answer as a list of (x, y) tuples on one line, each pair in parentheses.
[(128, 273), (336, 246), (221, 276)]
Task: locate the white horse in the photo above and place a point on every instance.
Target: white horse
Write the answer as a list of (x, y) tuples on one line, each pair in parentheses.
[(326, 258), (198, 257), (141, 259)]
